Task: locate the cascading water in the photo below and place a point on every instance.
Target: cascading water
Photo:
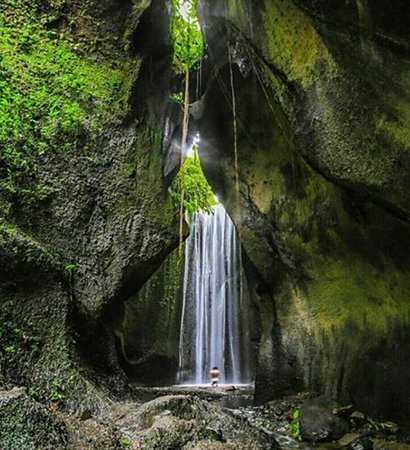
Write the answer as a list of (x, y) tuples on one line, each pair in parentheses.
[(214, 329)]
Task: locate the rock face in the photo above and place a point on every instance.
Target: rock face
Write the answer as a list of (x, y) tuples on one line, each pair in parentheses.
[(25, 424), (189, 423), (322, 140), (89, 220), (148, 335)]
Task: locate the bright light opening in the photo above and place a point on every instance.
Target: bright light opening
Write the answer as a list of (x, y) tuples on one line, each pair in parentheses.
[(185, 10), (191, 151)]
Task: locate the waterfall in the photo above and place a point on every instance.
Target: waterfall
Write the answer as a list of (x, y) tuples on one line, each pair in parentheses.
[(214, 329)]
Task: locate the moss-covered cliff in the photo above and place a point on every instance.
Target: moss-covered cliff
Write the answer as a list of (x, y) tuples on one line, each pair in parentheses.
[(87, 132), (85, 216), (323, 206)]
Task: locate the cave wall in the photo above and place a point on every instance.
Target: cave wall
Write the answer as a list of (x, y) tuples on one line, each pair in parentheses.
[(89, 220), (322, 208), (148, 335)]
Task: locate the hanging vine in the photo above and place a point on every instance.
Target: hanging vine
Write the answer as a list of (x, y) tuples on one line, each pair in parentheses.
[(189, 47), (235, 124)]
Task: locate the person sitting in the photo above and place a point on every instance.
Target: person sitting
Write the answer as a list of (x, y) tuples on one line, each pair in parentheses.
[(214, 376)]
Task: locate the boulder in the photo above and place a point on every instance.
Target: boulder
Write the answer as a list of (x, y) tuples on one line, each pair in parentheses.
[(318, 423), (181, 421)]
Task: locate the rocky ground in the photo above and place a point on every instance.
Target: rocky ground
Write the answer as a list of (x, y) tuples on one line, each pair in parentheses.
[(195, 419)]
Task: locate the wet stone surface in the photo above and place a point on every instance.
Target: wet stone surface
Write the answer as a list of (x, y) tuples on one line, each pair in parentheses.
[(201, 418), (275, 420)]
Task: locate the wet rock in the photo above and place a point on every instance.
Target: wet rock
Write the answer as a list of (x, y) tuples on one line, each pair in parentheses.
[(180, 421), (93, 434), (86, 414), (209, 445), (275, 242), (343, 411), (230, 388), (389, 427), (286, 441), (381, 444), (348, 439), (358, 418), (361, 444), (318, 423)]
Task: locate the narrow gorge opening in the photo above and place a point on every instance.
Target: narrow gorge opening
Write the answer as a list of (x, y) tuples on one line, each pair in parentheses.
[(194, 313), (126, 284)]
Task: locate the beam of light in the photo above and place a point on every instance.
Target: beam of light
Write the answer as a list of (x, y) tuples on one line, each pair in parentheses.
[(191, 150)]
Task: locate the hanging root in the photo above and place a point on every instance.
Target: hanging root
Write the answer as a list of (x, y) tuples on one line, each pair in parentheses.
[(235, 128), (181, 222), (185, 124)]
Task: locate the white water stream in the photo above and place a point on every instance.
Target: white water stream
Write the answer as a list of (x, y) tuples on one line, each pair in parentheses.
[(214, 331)]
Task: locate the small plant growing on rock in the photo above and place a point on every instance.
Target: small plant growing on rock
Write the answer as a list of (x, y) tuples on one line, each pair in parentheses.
[(70, 268), (178, 98), (294, 426), (126, 442)]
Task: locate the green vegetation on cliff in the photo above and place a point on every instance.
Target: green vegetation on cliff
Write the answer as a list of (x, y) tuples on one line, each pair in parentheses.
[(198, 195), (186, 35), (51, 98)]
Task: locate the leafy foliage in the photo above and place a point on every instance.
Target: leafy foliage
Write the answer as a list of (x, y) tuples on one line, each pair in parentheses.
[(70, 267), (51, 99), (178, 98), (198, 195), (294, 426), (186, 34)]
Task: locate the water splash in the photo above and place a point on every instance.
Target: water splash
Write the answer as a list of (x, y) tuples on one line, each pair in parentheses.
[(214, 329)]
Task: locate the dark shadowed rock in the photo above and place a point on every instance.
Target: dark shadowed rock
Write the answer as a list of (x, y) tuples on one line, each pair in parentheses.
[(361, 444), (318, 423)]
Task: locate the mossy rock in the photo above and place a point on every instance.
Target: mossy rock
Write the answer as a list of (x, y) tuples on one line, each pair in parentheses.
[(183, 421), (25, 424)]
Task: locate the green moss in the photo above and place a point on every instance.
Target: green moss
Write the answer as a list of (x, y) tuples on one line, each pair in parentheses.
[(142, 176), (20, 248), (336, 277), (27, 425), (51, 99), (19, 343), (192, 188), (36, 352), (352, 290), (343, 286), (396, 125), (288, 39)]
